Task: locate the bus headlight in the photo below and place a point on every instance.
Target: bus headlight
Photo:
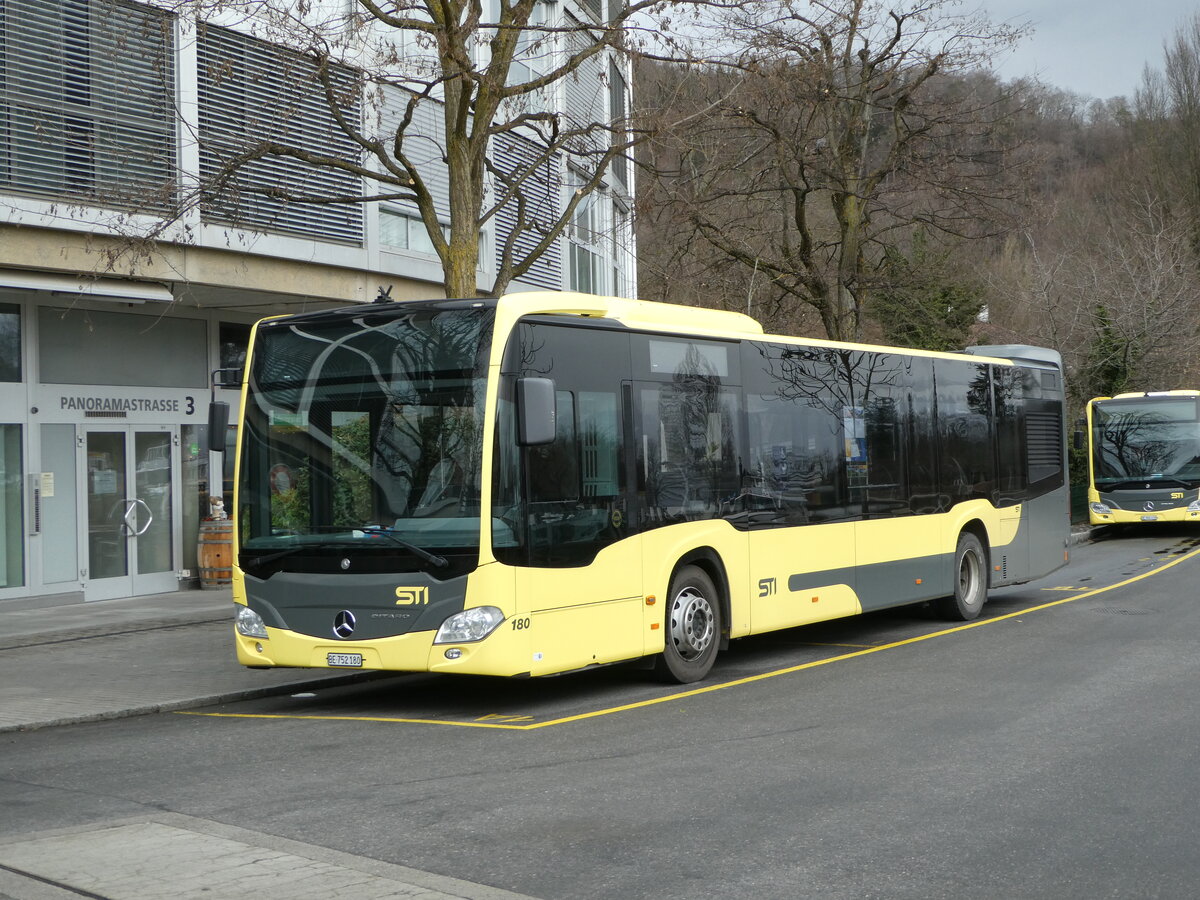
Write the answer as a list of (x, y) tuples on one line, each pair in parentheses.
[(1194, 506), (1101, 509), (469, 625), (250, 623)]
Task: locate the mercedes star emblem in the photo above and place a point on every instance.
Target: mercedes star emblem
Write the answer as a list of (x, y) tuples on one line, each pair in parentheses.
[(343, 624)]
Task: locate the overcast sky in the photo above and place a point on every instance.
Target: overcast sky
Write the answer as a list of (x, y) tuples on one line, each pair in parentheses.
[(1092, 47)]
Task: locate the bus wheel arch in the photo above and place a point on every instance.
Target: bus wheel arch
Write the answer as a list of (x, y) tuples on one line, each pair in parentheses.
[(695, 617), (969, 576)]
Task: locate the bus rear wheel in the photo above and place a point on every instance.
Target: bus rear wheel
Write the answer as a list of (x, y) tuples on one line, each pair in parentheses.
[(693, 627), (970, 580)]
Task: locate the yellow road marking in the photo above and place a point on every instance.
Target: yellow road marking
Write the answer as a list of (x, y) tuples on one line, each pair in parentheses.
[(708, 689)]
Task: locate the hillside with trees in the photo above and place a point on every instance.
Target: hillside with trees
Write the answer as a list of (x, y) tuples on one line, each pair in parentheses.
[(857, 173)]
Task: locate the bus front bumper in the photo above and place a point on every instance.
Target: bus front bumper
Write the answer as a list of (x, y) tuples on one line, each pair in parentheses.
[(1125, 516), (405, 653)]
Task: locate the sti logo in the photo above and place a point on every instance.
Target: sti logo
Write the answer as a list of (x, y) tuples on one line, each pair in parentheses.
[(412, 596)]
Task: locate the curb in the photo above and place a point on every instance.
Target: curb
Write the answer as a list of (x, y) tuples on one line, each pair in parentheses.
[(208, 700), (43, 638)]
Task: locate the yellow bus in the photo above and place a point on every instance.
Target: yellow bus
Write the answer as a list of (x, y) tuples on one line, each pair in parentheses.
[(546, 482), (1144, 457)]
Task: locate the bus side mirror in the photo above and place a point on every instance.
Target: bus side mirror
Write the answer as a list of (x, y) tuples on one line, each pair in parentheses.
[(535, 411), (1080, 440), (229, 378), (218, 422)]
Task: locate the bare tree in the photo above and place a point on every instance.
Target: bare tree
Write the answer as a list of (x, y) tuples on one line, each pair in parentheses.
[(1107, 269), (418, 94), (676, 264), (846, 126), (1166, 122), (1117, 291), (1142, 284)]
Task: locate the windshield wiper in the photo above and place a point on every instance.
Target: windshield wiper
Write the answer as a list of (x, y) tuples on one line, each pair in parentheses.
[(432, 558), (288, 551), (1149, 479), (1179, 481)]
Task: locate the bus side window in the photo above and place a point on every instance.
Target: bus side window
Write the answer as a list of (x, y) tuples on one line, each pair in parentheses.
[(554, 467), (923, 493), (887, 487), (797, 451), (1012, 477), (884, 382), (689, 454), (964, 396), (574, 486)]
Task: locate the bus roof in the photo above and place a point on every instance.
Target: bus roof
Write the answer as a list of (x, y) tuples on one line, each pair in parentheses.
[(1139, 395), (635, 313), (667, 317), (721, 323)]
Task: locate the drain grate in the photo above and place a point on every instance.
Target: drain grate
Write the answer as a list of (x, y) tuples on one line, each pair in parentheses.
[(1117, 611)]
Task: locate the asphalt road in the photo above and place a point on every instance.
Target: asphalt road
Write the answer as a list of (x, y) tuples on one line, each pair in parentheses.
[(1048, 751)]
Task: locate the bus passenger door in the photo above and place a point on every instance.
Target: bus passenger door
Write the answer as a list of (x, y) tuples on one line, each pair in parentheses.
[(583, 584)]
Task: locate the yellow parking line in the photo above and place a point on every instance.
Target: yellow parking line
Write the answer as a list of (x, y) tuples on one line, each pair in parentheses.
[(708, 689), (402, 721)]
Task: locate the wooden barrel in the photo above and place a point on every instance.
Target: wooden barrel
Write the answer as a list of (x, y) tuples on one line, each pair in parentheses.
[(215, 554)]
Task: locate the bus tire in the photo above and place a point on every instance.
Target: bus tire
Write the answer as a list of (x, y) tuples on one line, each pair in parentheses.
[(970, 581), (693, 627)]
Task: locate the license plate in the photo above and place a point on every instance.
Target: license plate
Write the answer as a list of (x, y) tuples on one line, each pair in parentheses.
[(351, 660), (1149, 518)]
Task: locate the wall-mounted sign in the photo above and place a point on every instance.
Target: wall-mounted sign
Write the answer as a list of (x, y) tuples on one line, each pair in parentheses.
[(126, 404)]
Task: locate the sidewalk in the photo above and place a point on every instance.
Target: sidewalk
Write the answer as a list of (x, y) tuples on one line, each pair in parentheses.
[(81, 662)]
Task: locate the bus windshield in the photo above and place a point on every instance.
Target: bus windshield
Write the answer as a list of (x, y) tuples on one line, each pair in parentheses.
[(1145, 439), (362, 436)]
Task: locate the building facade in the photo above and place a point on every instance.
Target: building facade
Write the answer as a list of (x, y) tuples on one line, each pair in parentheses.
[(126, 279)]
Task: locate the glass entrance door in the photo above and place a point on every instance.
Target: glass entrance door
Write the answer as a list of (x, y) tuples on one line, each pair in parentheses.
[(131, 479)]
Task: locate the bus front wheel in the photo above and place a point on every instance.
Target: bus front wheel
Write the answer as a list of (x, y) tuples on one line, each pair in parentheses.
[(970, 580), (693, 627)]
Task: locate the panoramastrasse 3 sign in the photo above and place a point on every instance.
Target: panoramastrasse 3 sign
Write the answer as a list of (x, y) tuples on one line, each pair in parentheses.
[(126, 404)]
